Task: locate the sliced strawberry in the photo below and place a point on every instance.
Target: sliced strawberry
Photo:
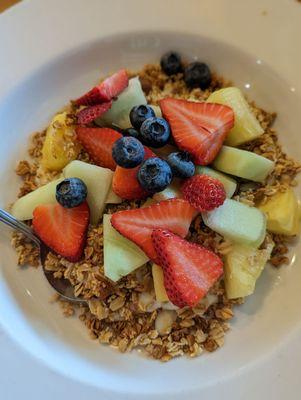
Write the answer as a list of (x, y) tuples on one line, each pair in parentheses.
[(63, 230), (89, 114), (125, 183), (189, 270), (98, 142), (137, 225), (199, 128), (106, 90)]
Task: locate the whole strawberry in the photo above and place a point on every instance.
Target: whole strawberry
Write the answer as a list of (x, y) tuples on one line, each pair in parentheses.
[(203, 192)]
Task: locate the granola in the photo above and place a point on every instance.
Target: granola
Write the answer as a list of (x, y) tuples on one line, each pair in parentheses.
[(126, 315)]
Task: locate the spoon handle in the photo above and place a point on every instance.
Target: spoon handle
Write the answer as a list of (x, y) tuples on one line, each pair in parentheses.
[(19, 226)]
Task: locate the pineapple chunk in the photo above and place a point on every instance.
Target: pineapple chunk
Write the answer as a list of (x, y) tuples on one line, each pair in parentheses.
[(246, 126), (148, 202), (60, 146), (157, 110), (242, 267), (282, 212), (158, 278)]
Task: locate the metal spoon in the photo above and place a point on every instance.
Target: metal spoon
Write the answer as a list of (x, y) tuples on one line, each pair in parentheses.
[(62, 286)]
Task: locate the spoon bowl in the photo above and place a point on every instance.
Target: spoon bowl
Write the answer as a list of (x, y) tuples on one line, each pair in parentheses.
[(62, 286)]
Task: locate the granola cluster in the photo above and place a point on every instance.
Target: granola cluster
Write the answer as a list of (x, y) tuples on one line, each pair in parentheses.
[(126, 315)]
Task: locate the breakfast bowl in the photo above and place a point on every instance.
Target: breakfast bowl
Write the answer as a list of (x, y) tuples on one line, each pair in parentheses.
[(265, 322)]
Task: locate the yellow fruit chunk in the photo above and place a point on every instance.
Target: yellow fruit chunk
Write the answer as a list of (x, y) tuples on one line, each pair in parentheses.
[(246, 127), (282, 212), (242, 267), (158, 278), (60, 146)]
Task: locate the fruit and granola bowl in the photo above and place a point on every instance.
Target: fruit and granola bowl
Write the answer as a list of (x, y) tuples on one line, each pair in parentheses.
[(162, 195)]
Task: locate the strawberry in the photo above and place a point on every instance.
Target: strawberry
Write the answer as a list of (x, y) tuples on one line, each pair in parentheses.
[(89, 114), (125, 183), (106, 90), (199, 128), (138, 224), (63, 230), (189, 269), (98, 142), (204, 192)]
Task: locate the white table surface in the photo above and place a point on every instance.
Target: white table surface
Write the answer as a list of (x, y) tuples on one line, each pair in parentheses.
[(275, 23)]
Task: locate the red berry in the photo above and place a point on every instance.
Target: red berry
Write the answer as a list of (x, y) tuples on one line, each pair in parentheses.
[(199, 128), (203, 192), (137, 225), (89, 114), (63, 230), (98, 142), (125, 183), (106, 90), (189, 270)]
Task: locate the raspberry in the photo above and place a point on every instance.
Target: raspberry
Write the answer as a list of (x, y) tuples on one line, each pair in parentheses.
[(203, 192)]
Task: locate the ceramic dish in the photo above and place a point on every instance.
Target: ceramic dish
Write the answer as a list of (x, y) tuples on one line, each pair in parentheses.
[(265, 323)]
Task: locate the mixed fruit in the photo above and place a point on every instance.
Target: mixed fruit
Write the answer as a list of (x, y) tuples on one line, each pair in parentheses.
[(179, 160)]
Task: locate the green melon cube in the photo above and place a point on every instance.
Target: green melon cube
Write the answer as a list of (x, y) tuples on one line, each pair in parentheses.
[(98, 181), (229, 183), (24, 206), (237, 222), (119, 113), (244, 164), (121, 256)]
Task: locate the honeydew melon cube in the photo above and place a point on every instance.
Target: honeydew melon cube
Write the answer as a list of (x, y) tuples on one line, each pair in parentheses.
[(119, 113), (172, 191), (246, 126), (229, 183), (121, 256), (244, 164), (98, 181), (23, 208), (112, 198), (237, 222)]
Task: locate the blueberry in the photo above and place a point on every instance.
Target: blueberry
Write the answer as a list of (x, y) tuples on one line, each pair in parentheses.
[(181, 164), (71, 192), (128, 152), (155, 132), (139, 114), (171, 63), (197, 74), (131, 132), (154, 175)]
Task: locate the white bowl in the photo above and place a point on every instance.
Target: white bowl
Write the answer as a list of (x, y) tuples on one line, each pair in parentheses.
[(262, 324)]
